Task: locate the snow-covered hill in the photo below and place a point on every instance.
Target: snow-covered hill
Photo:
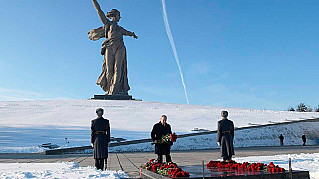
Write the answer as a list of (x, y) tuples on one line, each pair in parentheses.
[(31, 123)]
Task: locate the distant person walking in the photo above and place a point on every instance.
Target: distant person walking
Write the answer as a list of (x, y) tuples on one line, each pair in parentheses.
[(160, 129), (304, 139), (281, 137), (100, 139), (225, 137)]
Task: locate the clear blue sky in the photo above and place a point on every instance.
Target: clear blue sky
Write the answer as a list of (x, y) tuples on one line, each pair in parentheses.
[(249, 54)]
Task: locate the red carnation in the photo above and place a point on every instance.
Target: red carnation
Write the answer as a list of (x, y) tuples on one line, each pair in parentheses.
[(173, 137)]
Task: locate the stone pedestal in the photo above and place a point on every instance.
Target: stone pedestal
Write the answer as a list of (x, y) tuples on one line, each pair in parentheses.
[(113, 97), (197, 172)]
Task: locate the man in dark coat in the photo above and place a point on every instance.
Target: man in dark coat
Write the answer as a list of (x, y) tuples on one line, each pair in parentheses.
[(160, 129), (304, 139), (281, 137), (100, 139), (225, 136)]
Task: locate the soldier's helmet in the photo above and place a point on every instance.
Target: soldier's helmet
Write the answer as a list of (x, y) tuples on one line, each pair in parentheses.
[(224, 114), (99, 109)]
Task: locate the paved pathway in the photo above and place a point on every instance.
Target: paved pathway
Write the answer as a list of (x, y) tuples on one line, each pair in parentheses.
[(130, 162)]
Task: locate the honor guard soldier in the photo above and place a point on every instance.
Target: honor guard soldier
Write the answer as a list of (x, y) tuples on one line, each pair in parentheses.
[(225, 137), (100, 139)]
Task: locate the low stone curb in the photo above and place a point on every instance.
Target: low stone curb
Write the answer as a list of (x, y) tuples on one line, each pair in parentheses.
[(151, 175)]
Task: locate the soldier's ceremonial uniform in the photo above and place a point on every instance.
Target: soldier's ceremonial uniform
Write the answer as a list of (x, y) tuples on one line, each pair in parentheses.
[(100, 137), (225, 136)]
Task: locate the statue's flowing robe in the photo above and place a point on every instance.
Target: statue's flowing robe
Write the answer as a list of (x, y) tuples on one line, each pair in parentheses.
[(113, 79)]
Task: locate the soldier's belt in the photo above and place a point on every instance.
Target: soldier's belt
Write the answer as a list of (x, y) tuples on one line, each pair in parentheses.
[(226, 131), (100, 132)]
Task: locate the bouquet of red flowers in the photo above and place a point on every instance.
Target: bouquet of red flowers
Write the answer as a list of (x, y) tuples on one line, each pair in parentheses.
[(271, 168), (245, 166), (169, 169), (177, 172), (167, 138)]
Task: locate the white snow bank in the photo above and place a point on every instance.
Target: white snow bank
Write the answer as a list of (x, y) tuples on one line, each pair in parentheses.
[(132, 115), (33, 149), (55, 170), (308, 162)]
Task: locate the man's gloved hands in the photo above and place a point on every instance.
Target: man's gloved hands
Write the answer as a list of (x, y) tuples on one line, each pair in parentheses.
[(92, 144), (218, 143)]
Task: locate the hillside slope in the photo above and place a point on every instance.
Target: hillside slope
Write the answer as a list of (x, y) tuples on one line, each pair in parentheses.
[(31, 123)]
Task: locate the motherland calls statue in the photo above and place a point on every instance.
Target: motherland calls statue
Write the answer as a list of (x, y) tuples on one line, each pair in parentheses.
[(113, 79)]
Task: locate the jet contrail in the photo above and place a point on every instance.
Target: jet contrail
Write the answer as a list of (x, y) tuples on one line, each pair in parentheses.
[(171, 40)]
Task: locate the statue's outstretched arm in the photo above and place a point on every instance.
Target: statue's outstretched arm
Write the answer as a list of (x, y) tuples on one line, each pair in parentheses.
[(100, 12), (128, 33)]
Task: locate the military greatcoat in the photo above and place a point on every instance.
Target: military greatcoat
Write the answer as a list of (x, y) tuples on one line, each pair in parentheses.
[(100, 136), (225, 136)]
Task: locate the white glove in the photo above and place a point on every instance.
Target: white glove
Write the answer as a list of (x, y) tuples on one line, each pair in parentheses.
[(92, 144), (108, 144), (218, 143)]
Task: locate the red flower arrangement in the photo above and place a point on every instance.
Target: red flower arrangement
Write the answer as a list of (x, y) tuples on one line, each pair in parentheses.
[(177, 172), (167, 169), (167, 138), (245, 166), (271, 168), (173, 137)]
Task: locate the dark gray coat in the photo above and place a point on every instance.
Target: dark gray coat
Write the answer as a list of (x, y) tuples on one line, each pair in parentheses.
[(304, 138), (225, 136), (100, 140), (157, 132)]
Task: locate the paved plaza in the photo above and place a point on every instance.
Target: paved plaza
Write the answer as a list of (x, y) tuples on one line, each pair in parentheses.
[(130, 162)]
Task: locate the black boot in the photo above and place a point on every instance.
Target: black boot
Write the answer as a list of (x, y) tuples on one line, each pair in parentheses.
[(160, 158), (168, 158)]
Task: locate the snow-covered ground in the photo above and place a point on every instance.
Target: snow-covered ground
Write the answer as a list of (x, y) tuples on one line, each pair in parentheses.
[(24, 125), (308, 162), (55, 170)]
